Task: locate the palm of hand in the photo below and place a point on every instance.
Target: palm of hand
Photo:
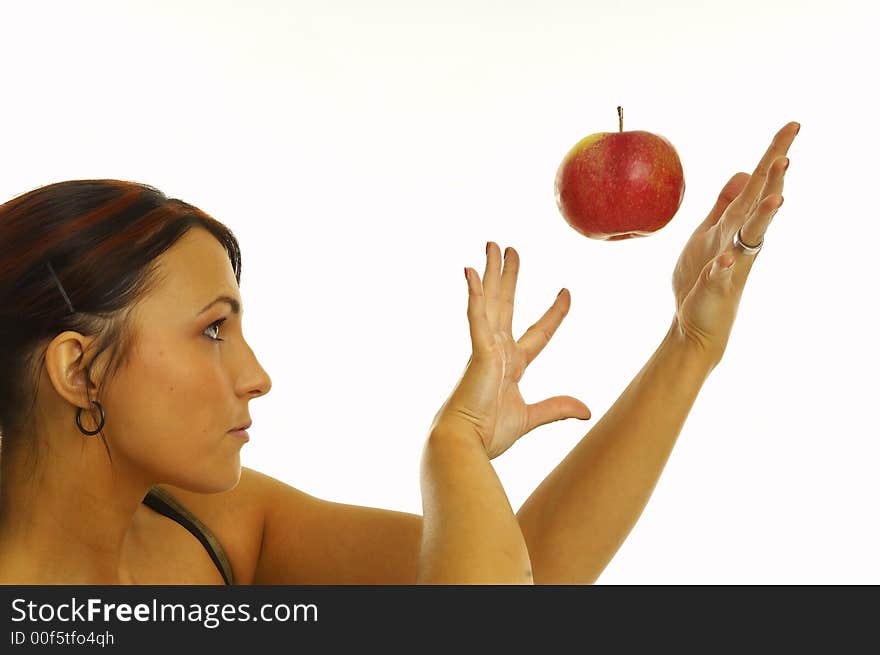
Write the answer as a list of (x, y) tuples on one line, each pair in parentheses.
[(703, 246), (487, 401), (705, 308), (703, 318), (512, 413)]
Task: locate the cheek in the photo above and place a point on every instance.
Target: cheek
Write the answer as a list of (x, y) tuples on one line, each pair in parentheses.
[(170, 405)]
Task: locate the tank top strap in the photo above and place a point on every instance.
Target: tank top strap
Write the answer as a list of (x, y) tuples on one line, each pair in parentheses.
[(163, 502)]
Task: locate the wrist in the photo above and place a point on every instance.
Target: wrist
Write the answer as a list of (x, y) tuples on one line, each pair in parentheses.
[(689, 352), (447, 435)]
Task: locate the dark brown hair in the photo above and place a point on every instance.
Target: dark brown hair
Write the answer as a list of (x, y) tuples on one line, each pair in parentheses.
[(102, 238)]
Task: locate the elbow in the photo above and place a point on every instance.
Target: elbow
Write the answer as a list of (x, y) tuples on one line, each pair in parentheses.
[(455, 571), (458, 579)]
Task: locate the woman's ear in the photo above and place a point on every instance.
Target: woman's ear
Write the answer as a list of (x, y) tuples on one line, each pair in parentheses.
[(67, 358)]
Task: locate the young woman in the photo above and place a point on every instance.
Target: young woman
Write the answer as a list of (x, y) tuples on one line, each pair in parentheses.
[(125, 381)]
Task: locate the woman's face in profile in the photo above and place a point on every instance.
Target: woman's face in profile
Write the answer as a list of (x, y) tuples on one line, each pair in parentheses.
[(173, 402)]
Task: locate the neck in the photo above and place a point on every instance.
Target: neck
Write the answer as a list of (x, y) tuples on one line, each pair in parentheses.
[(71, 518)]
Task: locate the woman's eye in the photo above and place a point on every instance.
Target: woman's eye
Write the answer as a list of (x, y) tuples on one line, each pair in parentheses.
[(213, 327)]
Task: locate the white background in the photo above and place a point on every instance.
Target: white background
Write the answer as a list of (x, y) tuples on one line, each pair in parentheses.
[(364, 152)]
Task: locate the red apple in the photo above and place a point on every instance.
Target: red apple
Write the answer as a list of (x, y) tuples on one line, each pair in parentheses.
[(619, 185)]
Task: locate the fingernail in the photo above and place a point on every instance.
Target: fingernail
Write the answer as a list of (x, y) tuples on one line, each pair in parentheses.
[(487, 247), (798, 128), (560, 292)]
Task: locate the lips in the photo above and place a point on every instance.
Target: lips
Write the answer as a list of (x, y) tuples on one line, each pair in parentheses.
[(243, 426)]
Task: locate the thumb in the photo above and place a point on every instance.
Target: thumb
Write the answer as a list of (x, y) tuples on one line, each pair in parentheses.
[(716, 274), (555, 409)]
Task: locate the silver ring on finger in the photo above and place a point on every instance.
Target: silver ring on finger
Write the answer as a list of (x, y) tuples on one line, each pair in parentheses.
[(749, 250)]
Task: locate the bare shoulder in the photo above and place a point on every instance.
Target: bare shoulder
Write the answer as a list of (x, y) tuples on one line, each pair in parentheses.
[(235, 517), (312, 541), (277, 534)]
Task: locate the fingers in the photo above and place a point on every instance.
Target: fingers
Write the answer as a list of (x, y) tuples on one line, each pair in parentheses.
[(750, 195), (507, 290), (756, 225), (539, 334), (492, 280), (476, 312), (728, 194), (500, 288), (490, 304)]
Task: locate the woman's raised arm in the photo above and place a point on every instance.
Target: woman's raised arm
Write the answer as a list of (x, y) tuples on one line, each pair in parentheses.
[(470, 533)]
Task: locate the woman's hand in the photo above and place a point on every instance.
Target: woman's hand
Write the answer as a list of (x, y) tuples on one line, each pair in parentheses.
[(706, 299), (486, 403)]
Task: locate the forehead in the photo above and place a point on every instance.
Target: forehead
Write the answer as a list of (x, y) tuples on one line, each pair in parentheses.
[(194, 271)]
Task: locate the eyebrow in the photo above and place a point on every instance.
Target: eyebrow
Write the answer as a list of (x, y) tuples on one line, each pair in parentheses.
[(233, 303)]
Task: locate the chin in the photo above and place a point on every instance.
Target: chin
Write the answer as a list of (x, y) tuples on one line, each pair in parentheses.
[(210, 482)]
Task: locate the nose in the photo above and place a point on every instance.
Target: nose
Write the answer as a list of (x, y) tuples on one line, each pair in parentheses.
[(262, 386), (254, 381)]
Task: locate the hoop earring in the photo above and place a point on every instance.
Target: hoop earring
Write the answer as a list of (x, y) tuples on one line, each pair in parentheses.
[(79, 424)]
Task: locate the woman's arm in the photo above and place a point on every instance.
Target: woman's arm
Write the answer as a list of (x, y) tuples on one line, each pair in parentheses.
[(578, 517), (470, 534)]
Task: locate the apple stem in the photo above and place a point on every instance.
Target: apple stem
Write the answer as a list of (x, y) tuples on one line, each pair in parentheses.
[(620, 116)]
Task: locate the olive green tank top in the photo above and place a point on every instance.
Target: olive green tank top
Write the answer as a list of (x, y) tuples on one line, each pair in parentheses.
[(161, 501)]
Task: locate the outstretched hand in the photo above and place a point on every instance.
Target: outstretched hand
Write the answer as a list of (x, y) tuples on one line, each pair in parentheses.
[(711, 272), (486, 403)]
